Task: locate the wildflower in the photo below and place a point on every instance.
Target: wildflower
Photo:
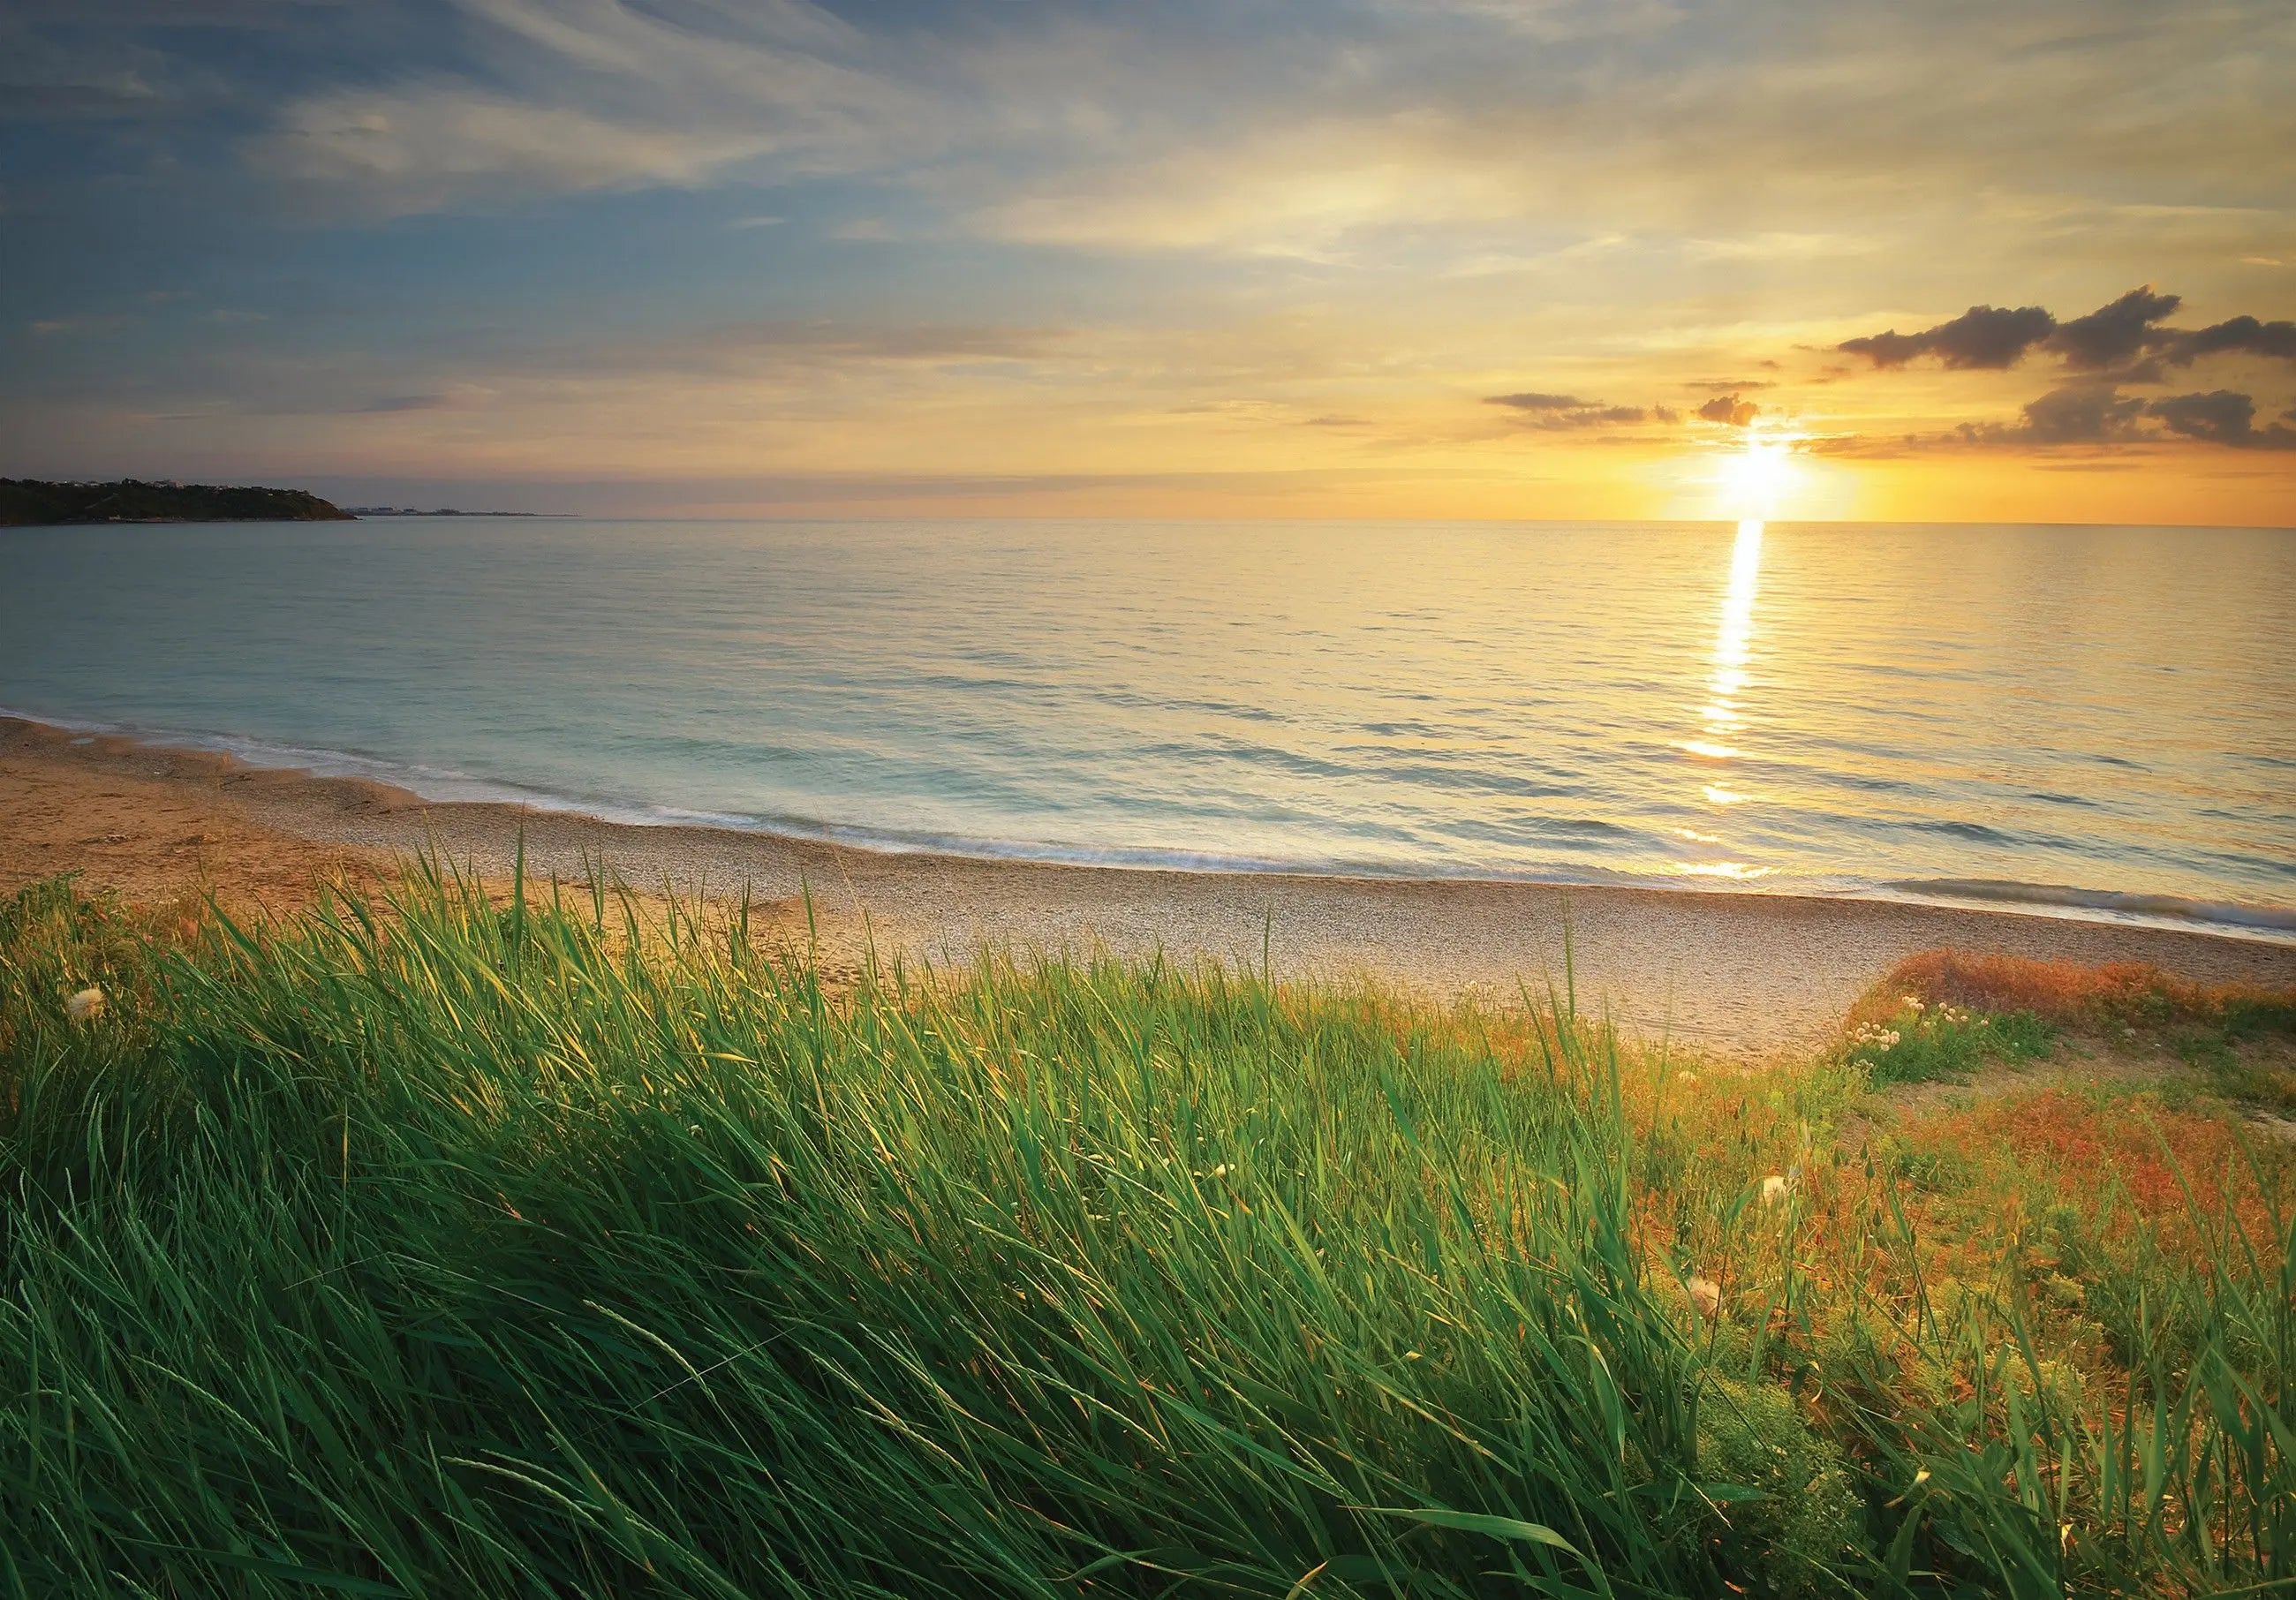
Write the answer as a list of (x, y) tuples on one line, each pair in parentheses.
[(1774, 1189), (1685, 1078), (1704, 1294), (1220, 1171), (84, 1006)]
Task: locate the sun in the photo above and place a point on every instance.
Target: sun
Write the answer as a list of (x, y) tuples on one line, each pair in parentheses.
[(1757, 479)]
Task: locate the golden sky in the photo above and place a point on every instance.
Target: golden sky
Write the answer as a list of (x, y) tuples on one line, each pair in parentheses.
[(1453, 259)]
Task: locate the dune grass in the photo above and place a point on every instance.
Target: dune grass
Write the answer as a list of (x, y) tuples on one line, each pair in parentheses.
[(432, 1246)]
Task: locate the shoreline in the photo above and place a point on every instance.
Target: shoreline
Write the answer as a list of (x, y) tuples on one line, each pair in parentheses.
[(1748, 972), (2164, 912)]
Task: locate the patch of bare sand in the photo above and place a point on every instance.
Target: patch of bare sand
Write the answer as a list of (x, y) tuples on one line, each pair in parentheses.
[(1752, 974)]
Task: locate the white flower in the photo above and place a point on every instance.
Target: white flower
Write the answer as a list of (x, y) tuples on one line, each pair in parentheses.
[(84, 1006), (1774, 1189), (1704, 1294)]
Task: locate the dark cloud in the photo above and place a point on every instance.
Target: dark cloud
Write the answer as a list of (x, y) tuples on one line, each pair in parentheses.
[(2077, 413), (2242, 334), (2124, 340), (2221, 417), (2081, 413), (1986, 337), (2112, 334), (1720, 385), (2094, 412), (1730, 409)]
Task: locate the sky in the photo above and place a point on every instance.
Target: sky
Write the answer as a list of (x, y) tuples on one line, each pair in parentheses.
[(1477, 258)]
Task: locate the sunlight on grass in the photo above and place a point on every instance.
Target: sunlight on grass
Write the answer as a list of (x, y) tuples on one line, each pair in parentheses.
[(434, 1245)]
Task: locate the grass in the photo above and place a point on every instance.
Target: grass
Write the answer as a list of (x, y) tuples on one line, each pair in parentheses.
[(430, 1246), (1941, 1015)]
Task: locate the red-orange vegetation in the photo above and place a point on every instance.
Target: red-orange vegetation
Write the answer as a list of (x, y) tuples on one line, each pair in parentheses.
[(2131, 1153), (2061, 992)]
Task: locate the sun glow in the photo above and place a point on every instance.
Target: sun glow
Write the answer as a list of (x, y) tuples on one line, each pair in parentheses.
[(1759, 476)]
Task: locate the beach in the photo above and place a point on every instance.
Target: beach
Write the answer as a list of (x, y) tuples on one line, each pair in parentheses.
[(1746, 973)]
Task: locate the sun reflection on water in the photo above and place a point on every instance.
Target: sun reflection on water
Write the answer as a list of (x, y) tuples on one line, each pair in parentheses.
[(1719, 718)]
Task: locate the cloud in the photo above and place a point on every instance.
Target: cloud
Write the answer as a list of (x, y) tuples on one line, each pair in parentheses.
[(2088, 412), (452, 397), (89, 72), (2094, 412), (2112, 334), (51, 327), (1557, 412), (1534, 401), (437, 146), (1730, 409), (2242, 334), (2221, 417), (1991, 338), (2125, 339), (1742, 136), (2081, 413), (592, 94)]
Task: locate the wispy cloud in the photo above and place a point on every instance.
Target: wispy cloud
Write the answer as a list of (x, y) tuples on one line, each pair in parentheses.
[(583, 94)]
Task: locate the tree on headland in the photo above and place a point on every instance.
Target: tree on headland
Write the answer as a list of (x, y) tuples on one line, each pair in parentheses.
[(26, 502)]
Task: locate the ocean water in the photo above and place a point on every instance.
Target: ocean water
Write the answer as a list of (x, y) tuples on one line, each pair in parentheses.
[(2098, 718)]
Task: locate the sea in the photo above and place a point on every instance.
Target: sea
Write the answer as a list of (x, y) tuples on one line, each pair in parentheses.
[(2093, 721)]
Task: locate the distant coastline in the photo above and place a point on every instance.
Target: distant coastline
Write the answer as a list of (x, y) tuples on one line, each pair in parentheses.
[(364, 511), (32, 503)]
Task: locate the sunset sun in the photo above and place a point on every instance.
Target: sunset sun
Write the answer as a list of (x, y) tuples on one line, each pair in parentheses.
[(1760, 478)]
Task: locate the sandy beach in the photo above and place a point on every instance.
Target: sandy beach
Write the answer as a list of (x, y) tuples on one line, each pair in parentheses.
[(1748, 973)]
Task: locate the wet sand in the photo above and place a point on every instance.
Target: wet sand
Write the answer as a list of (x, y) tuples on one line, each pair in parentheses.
[(1748, 973)]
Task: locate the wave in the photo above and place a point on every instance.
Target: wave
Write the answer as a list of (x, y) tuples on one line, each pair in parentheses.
[(2169, 908), (448, 785)]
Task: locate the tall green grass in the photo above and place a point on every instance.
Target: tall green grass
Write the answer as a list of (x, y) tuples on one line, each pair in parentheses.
[(431, 1247)]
